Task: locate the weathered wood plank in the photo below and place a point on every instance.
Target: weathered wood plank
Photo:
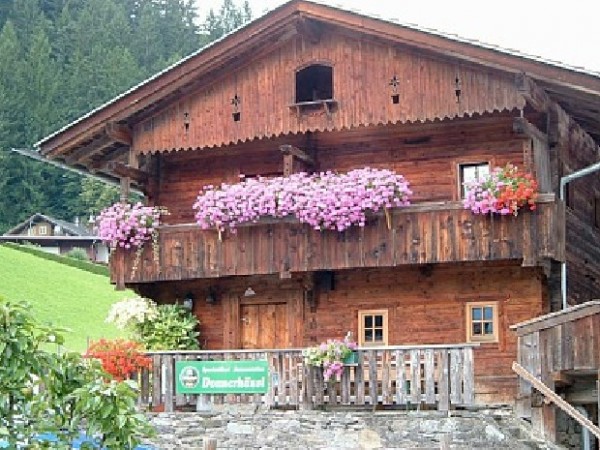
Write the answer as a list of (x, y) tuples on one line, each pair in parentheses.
[(429, 376), (415, 376), (169, 386), (424, 237), (456, 374), (443, 381)]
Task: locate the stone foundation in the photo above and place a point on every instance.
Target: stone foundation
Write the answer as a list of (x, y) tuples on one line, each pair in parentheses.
[(249, 427)]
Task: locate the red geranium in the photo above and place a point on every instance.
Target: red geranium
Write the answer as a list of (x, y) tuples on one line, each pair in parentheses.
[(120, 358)]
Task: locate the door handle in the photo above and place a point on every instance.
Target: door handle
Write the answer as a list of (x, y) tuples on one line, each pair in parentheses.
[(245, 320)]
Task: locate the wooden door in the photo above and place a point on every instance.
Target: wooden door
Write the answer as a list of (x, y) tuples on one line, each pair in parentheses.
[(264, 326)]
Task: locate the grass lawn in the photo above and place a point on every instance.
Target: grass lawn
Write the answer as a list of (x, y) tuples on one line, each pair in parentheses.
[(61, 295)]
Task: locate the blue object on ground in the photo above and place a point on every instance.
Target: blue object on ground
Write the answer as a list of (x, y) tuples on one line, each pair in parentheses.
[(75, 445)]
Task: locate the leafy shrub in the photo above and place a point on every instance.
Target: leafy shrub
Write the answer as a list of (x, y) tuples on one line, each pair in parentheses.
[(174, 328), (78, 254), (157, 327), (44, 392)]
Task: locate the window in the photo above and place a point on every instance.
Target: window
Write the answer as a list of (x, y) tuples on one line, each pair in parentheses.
[(373, 327), (314, 83), (482, 322), (472, 172), (42, 230)]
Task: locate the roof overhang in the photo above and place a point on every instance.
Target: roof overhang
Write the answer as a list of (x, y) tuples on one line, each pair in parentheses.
[(99, 140)]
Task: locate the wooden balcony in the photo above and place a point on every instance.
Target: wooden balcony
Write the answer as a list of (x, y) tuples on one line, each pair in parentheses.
[(441, 376), (424, 233)]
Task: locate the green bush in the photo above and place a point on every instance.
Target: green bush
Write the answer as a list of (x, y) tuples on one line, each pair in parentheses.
[(78, 253), (63, 394), (157, 327), (173, 329), (88, 266)]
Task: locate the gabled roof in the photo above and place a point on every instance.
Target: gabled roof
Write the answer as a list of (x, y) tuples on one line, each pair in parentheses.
[(68, 227), (104, 130)]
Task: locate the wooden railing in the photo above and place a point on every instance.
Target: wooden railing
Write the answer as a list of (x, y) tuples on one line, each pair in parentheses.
[(440, 376), (419, 234)]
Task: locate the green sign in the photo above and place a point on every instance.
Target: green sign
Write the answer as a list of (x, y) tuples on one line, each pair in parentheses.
[(221, 377)]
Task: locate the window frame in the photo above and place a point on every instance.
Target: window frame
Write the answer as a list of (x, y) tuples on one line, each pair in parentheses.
[(361, 327), (491, 338), (460, 170), (302, 69)]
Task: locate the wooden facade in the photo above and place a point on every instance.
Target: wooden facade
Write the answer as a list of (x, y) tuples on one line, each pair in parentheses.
[(561, 351), (399, 98)]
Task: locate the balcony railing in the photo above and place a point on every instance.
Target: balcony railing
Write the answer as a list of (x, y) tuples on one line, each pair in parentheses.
[(440, 376), (419, 234)]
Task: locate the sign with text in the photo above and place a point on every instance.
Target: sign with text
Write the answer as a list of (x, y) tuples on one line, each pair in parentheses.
[(221, 377)]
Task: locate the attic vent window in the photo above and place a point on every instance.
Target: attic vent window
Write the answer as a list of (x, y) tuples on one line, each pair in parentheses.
[(314, 88), (314, 83)]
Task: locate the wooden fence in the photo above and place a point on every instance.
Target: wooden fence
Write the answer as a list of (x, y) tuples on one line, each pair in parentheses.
[(439, 376)]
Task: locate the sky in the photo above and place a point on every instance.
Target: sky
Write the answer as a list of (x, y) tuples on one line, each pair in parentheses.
[(564, 31)]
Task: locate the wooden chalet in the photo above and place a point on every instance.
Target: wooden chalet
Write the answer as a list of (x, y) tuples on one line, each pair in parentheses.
[(57, 236), (309, 87)]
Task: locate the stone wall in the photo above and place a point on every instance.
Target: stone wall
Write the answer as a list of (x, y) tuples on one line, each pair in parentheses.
[(254, 428)]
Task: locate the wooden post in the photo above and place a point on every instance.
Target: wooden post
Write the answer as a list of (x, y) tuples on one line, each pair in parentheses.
[(169, 383), (209, 443)]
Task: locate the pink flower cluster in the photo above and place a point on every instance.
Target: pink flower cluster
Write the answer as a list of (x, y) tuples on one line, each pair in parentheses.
[(330, 355), (325, 201), (128, 226)]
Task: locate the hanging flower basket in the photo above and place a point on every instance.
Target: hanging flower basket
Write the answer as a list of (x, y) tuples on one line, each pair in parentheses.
[(325, 200), (506, 190)]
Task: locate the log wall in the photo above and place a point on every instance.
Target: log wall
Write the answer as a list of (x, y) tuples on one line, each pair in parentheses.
[(362, 71), (426, 305), (428, 156), (575, 150)]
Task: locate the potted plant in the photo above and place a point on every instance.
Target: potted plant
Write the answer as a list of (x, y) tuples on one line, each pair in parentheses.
[(332, 355), (506, 190)]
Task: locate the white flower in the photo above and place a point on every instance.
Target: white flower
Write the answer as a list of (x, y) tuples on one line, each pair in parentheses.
[(131, 311)]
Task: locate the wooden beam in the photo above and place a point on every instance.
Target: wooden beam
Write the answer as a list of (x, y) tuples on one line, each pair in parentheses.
[(125, 171), (296, 152), (556, 318), (119, 133), (102, 162), (522, 126), (561, 378), (555, 398), (310, 29), (85, 152), (583, 393), (533, 94)]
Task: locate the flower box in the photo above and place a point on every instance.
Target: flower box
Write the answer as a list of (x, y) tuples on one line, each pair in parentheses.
[(351, 359)]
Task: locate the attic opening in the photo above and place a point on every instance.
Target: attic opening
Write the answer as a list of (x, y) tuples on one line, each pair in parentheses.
[(314, 83)]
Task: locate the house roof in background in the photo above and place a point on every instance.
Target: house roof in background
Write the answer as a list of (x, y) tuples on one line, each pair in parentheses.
[(71, 228)]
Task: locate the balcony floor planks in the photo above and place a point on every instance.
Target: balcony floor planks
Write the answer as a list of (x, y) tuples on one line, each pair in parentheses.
[(441, 233)]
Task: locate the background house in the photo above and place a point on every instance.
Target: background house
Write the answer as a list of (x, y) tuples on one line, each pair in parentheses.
[(57, 236), (315, 88)]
